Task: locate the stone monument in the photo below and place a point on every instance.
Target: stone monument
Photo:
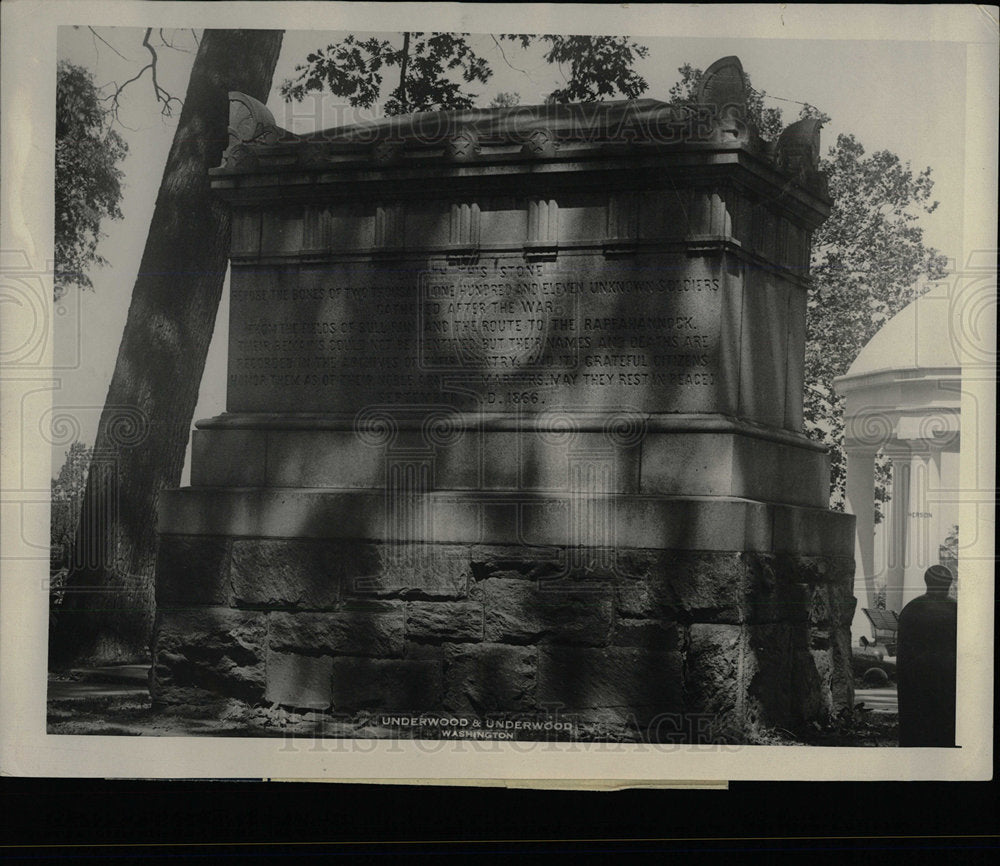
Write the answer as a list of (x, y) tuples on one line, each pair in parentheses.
[(514, 430)]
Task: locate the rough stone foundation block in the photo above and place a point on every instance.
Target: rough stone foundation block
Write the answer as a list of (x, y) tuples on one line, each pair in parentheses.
[(455, 621), (273, 573), (648, 634), (731, 641), (374, 629), (490, 678), (841, 678), (773, 686), (431, 651), (822, 662), (216, 649), (192, 570), (698, 586), (715, 680), (840, 601), (704, 587), (512, 561), (808, 698), (299, 681), (409, 686), (406, 571), (780, 602), (641, 682), (818, 611), (522, 612)]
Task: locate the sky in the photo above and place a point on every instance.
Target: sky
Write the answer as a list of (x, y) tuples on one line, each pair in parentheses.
[(905, 96)]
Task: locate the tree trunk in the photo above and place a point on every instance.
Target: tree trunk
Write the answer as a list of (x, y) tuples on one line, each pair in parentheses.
[(107, 612)]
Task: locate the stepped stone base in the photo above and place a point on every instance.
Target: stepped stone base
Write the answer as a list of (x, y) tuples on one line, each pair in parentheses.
[(627, 643), (677, 456)]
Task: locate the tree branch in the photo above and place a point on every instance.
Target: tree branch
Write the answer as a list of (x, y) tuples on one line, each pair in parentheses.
[(404, 60), (161, 94), (120, 88), (503, 54), (105, 41), (173, 45)]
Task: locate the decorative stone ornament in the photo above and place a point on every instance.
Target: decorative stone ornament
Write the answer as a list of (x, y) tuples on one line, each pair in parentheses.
[(463, 146), (798, 151), (387, 152), (723, 92), (541, 143), (250, 122)]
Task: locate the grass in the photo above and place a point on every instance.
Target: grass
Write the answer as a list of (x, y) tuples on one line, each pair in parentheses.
[(862, 728)]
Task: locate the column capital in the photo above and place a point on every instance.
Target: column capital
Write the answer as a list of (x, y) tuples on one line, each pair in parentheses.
[(856, 448), (900, 452)]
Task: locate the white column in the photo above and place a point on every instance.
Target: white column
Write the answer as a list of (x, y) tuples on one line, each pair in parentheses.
[(861, 503), (921, 536), (898, 529)]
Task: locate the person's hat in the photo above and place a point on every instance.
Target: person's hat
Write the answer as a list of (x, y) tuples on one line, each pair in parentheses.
[(938, 576)]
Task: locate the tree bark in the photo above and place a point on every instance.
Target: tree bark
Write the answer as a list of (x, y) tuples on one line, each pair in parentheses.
[(107, 612)]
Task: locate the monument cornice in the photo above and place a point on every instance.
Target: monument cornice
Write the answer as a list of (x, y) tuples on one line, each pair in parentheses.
[(280, 174), (706, 245)]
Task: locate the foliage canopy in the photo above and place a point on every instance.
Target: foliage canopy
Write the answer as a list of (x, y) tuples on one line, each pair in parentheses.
[(88, 180), (432, 70), (67, 497)]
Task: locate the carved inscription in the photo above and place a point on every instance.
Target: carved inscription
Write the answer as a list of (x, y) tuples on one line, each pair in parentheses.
[(502, 335)]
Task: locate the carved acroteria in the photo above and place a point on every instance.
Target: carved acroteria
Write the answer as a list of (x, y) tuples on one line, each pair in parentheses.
[(250, 123), (541, 132), (722, 92)]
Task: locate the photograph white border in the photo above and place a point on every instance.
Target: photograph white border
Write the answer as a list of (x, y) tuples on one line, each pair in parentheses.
[(29, 29)]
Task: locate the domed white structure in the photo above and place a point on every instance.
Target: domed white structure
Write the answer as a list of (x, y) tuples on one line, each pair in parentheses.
[(903, 395)]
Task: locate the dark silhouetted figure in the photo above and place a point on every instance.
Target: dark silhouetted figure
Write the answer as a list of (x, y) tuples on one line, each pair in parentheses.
[(925, 664)]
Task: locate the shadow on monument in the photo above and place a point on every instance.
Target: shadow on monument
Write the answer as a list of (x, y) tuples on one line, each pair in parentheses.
[(510, 432)]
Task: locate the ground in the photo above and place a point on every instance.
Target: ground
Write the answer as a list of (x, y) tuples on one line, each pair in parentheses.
[(865, 727), (114, 701)]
